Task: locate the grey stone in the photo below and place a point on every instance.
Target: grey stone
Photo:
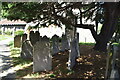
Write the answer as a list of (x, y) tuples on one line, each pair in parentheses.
[(114, 75), (24, 37), (77, 45), (73, 54), (65, 43), (37, 34), (42, 59), (55, 44), (26, 50), (31, 37), (17, 41)]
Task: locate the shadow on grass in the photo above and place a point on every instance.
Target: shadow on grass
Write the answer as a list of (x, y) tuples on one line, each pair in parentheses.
[(24, 72), (19, 61)]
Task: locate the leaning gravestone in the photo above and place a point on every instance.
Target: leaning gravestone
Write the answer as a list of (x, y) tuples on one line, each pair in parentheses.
[(77, 45), (24, 37), (72, 54), (55, 44), (26, 50), (42, 60), (36, 36), (65, 43), (17, 41), (31, 37)]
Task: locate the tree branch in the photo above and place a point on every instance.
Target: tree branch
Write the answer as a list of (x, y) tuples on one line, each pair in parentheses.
[(90, 27)]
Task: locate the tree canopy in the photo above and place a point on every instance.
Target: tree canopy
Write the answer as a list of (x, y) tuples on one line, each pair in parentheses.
[(63, 13)]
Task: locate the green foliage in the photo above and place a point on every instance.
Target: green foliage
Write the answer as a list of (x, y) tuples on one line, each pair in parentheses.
[(8, 32), (3, 37), (117, 44), (52, 75), (83, 43), (19, 32), (11, 43)]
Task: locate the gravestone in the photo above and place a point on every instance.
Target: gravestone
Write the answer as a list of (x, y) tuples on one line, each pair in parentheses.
[(114, 75), (31, 37), (73, 54), (77, 45), (65, 43), (17, 41), (24, 37), (36, 37), (26, 50), (42, 59), (55, 44)]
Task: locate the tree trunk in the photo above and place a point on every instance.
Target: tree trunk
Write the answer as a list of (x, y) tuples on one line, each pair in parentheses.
[(109, 26)]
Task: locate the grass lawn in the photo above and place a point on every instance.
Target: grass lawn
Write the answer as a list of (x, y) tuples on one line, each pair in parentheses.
[(3, 37), (91, 64)]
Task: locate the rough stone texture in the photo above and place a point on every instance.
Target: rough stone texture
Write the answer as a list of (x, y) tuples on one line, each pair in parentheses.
[(65, 43), (24, 37), (78, 48), (31, 37), (55, 44), (114, 75), (26, 50), (36, 37), (42, 60), (73, 54), (17, 41)]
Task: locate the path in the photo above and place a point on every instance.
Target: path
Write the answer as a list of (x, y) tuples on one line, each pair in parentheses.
[(5, 60)]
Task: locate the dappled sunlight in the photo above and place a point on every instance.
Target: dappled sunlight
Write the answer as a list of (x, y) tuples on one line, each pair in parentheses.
[(91, 64)]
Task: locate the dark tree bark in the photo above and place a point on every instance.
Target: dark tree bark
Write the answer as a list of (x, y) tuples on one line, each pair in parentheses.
[(111, 16), (109, 26)]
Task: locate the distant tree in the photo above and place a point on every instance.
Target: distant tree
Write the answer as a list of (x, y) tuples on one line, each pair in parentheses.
[(62, 13)]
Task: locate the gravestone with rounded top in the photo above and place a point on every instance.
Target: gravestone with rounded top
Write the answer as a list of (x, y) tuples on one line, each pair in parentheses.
[(65, 43), (42, 59), (24, 37), (55, 44), (17, 41), (26, 50), (31, 37), (73, 54)]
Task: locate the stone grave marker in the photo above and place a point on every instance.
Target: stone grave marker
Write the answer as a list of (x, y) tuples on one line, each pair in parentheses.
[(24, 37), (65, 43), (73, 54), (17, 41), (31, 37), (77, 45), (55, 44), (37, 34), (42, 59), (26, 50)]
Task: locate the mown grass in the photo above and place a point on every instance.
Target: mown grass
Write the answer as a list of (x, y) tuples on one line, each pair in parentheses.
[(3, 37), (83, 43), (19, 63)]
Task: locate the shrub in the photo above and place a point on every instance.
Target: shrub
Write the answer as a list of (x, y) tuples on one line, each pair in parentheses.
[(19, 32), (8, 32)]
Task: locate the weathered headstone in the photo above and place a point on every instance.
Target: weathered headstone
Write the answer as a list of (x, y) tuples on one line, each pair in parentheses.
[(17, 41), (55, 44), (42, 60), (31, 37), (65, 43), (73, 54), (34, 37), (37, 34), (114, 72), (77, 45), (114, 75), (24, 37), (26, 50)]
